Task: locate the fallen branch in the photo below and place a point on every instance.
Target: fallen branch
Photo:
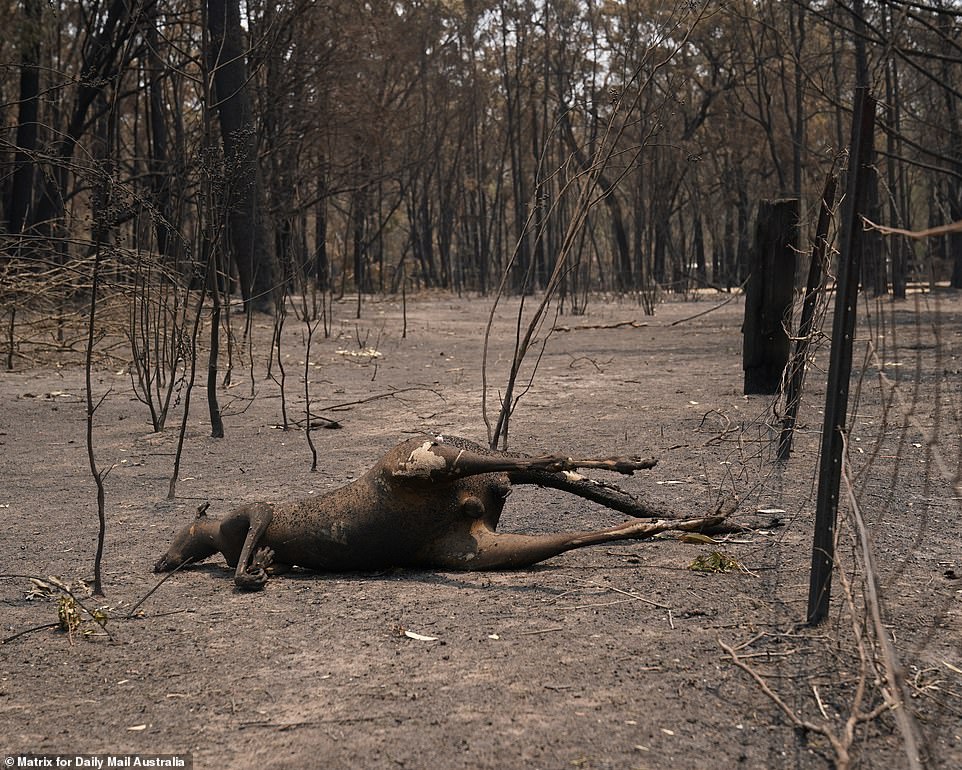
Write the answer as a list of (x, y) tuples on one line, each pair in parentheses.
[(166, 577), (52, 582), (843, 738), (734, 296), (840, 745), (282, 726), (619, 325), (377, 397), (890, 662), (629, 594), (55, 624), (842, 757)]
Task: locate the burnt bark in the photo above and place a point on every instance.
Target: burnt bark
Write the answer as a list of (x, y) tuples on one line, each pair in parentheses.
[(20, 193), (103, 54), (162, 174), (768, 296), (250, 247), (322, 265)]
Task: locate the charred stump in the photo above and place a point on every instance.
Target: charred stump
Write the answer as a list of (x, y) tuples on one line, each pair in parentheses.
[(768, 295)]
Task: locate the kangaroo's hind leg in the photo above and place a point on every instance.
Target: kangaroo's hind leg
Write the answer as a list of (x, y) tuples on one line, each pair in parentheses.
[(481, 548), (444, 460), (435, 460), (602, 492)]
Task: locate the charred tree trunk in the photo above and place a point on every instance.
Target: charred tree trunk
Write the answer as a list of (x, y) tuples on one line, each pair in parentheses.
[(20, 197), (953, 242), (768, 297), (322, 263), (623, 263), (899, 248), (873, 258), (698, 247), (250, 245), (742, 268), (102, 54), (162, 176)]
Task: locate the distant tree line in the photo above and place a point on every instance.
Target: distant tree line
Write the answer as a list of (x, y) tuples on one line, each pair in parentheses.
[(436, 143)]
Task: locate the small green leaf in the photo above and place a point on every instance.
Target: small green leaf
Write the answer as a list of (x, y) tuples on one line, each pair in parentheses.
[(715, 561), (696, 537)]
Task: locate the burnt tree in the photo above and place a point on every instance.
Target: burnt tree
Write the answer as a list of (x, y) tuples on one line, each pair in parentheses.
[(250, 245), (768, 295)]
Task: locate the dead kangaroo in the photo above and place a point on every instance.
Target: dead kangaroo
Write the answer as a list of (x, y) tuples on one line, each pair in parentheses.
[(430, 503)]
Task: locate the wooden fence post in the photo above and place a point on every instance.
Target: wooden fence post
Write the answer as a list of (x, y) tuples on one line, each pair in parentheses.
[(840, 363)]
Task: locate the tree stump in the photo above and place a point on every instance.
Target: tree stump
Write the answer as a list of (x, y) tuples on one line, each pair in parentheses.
[(768, 295)]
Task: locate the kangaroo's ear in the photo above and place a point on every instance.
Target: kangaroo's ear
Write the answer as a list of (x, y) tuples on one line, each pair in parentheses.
[(202, 510)]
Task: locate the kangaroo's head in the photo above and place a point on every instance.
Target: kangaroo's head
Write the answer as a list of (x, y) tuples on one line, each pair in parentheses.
[(195, 542)]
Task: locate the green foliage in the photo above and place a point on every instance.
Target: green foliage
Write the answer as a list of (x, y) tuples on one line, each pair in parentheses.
[(716, 561), (73, 616)]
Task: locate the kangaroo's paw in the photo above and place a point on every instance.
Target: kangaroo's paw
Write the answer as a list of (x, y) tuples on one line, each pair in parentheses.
[(263, 558), (254, 578)]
